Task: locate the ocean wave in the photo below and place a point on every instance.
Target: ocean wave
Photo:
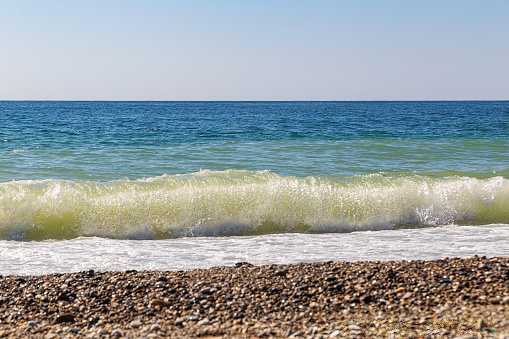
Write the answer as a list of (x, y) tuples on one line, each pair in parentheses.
[(237, 202)]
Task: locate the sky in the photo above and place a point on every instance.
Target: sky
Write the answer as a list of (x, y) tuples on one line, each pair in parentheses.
[(254, 50)]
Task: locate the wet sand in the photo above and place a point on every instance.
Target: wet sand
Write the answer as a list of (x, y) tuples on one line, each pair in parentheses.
[(450, 298)]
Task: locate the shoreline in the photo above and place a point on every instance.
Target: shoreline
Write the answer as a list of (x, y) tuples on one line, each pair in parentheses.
[(447, 298)]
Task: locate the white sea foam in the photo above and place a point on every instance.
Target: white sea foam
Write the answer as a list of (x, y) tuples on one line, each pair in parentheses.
[(36, 258)]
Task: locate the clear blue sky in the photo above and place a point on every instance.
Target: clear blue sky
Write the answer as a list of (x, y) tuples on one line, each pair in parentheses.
[(254, 50)]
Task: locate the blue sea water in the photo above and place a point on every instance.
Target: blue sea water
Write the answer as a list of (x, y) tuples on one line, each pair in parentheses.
[(156, 175)]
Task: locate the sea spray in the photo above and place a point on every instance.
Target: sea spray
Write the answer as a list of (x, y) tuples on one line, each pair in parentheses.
[(241, 202)]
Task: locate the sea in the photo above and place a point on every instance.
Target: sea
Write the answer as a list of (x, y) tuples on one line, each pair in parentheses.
[(187, 185)]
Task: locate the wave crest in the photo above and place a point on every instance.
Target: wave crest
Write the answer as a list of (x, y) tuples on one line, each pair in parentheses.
[(235, 202)]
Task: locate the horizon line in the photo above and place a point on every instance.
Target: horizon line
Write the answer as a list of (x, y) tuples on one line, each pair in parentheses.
[(370, 100)]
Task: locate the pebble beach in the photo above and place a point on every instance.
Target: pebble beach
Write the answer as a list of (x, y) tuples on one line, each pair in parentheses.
[(449, 298)]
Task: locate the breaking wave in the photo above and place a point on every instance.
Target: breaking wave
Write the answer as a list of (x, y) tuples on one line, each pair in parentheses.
[(236, 202)]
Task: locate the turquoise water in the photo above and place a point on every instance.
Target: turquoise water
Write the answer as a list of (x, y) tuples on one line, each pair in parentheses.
[(163, 170), (104, 141)]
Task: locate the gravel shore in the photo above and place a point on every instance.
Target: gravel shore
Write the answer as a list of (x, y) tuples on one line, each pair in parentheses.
[(449, 298)]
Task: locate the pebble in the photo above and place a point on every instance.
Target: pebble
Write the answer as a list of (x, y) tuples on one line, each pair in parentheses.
[(449, 298), (407, 295), (154, 327), (179, 321), (160, 303), (354, 328), (135, 323), (203, 322), (65, 318), (102, 331), (262, 334), (117, 333)]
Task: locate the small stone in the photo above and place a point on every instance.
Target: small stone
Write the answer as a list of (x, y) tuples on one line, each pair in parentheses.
[(314, 305), (63, 296), (367, 299), (281, 273), (203, 322), (154, 327), (407, 295), (192, 318), (494, 300), (207, 290), (51, 335), (243, 263), (179, 321), (354, 328), (505, 300), (117, 333), (161, 303), (135, 323), (334, 334), (480, 324), (65, 318), (32, 324)]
